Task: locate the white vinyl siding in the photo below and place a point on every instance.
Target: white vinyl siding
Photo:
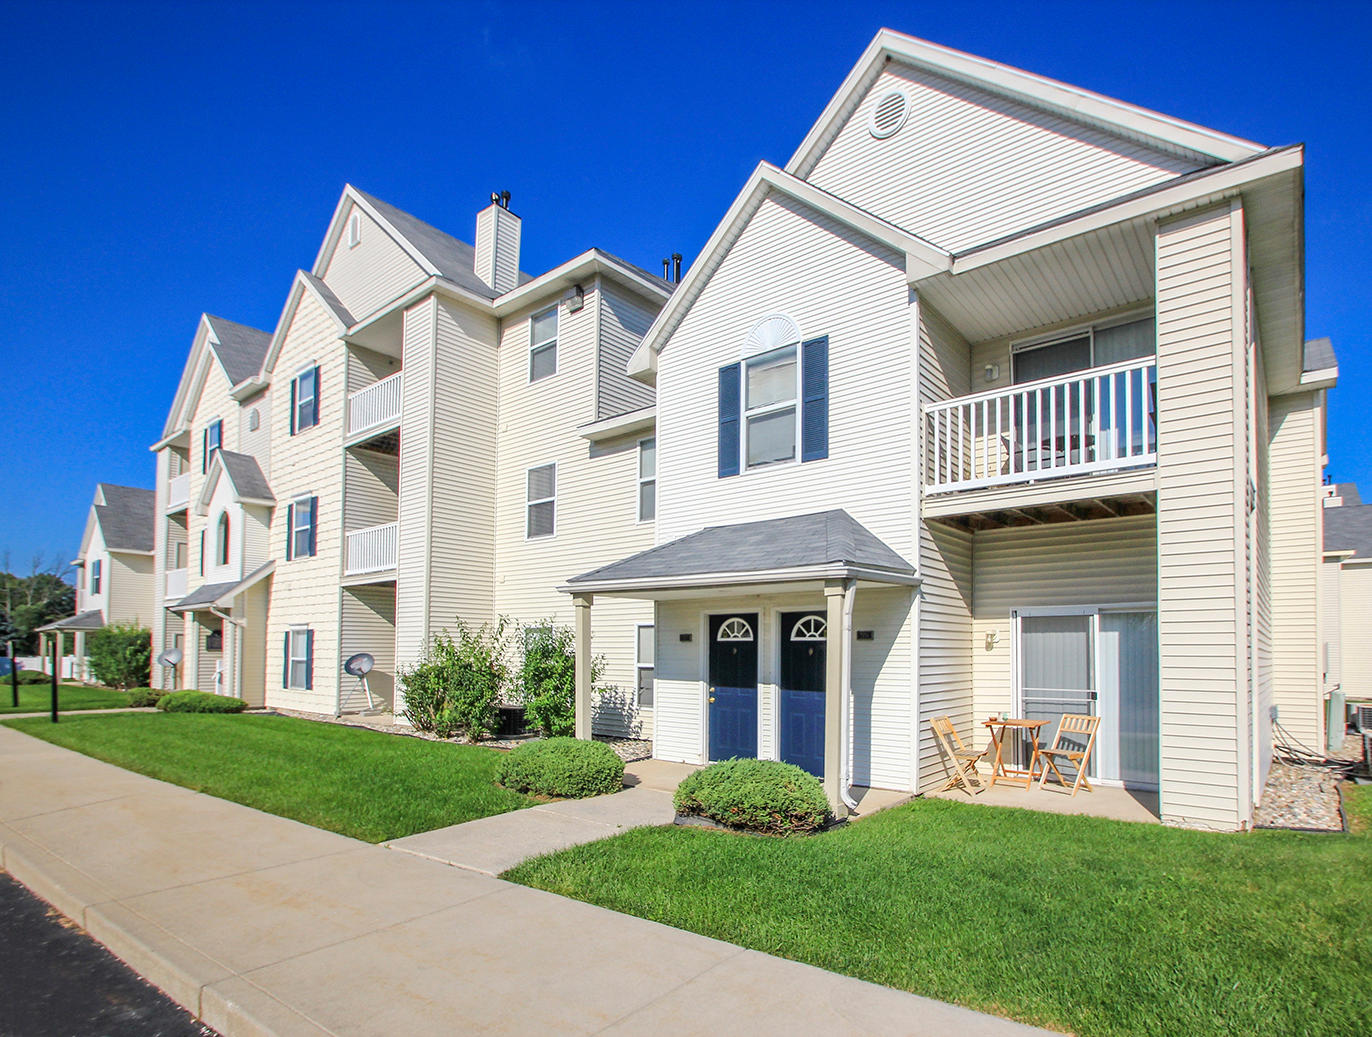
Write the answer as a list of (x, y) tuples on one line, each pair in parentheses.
[(1203, 656), (371, 488), (969, 167), (374, 273), (368, 618), (129, 594), (256, 442), (1355, 604), (624, 319)]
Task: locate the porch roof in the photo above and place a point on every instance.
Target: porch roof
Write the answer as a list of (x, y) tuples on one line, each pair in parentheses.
[(819, 546), (208, 595), (90, 620)]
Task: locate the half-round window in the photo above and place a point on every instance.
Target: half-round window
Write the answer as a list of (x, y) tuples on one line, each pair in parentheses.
[(222, 542), (809, 628), (735, 629)]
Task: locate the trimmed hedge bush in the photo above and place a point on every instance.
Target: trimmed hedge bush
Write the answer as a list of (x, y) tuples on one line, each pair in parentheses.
[(145, 696), (200, 702), (758, 795), (29, 677), (564, 767)]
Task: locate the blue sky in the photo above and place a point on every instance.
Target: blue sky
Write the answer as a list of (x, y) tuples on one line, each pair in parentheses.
[(164, 160)]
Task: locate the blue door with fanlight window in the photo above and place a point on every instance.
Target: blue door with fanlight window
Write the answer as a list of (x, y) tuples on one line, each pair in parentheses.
[(801, 713), (733, 685)]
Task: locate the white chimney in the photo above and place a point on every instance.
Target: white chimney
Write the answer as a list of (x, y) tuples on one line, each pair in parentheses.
[(497, 245)]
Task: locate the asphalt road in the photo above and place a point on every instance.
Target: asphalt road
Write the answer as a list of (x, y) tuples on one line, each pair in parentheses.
[(55, 981)]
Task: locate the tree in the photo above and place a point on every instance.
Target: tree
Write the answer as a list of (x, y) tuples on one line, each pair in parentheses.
[(547, 678), (121, 655), (32, 601)]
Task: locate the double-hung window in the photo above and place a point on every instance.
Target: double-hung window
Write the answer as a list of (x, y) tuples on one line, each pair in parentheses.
[(543, 345), (305, 400), (211, 439), (647, 480), (644, 649), (299, 659), (540, 502), (95, 576), (302, 521), (774, 408)]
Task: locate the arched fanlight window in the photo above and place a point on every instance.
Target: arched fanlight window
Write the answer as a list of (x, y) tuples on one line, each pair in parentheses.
[(223, 541), (809, 628), (734, 629)]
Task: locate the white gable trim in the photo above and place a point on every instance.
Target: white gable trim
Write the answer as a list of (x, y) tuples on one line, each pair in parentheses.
[(1039, 91), (337, 226), (922, 259), (192, 382), (303, 283)]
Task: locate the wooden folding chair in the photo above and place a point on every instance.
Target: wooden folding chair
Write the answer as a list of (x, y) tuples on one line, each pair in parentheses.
[(964, 760), (1074, 730)]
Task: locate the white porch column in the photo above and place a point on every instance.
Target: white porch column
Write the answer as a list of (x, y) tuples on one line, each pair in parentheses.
[(82, 670), (835, 644), (583, 664)]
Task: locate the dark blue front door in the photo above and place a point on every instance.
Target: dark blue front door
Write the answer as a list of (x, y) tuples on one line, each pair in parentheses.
[(802, 690), (733, 685)]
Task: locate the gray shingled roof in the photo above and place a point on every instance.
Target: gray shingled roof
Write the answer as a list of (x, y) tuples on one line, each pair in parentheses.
[(246, 476), (1319, 355), (91, 620), (127, 517), (825, 538), (455, 260), (204, 595), (332, 300), (1349, 528), (1349, 492), (240, 348)]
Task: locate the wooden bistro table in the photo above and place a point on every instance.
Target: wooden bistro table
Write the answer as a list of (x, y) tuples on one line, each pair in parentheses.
[(999, 770)]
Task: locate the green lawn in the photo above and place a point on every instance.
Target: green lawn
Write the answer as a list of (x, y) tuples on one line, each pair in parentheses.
[(35, 698), (365, 784), (1080, 924)]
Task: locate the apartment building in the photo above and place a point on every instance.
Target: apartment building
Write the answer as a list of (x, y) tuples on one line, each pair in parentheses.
[(1345, 587), (994, 399), (114, 568), (428, 435)]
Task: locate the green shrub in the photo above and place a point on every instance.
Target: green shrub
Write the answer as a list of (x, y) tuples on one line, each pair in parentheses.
[(758, 795), (145, 696), (120, 655), (547, 679), (564, 767), (200, 702), (454, 688), (31, 677)]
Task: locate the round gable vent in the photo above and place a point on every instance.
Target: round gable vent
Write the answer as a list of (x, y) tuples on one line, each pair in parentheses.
[(888, 115)]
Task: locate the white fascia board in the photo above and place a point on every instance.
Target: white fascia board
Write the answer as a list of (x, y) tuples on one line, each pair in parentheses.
[(184, 388), (736, 579), (1035, 90), (580, 268), (170, 438), (922, 259), (129, 551), (251, 580), (351, 194), (1211, 185), (1356, 562), (1325, 378), (430, 285), (299, 286), (620, 425), (1341, 554)]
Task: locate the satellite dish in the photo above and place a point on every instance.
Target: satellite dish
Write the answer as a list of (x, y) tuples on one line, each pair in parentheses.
[(171, 657), (359, 665)]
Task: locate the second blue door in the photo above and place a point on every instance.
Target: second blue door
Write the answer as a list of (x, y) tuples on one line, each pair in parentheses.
[(801, 714), (733, 685)]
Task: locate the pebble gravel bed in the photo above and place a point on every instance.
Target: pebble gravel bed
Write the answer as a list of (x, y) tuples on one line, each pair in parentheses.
[(1306, 796)]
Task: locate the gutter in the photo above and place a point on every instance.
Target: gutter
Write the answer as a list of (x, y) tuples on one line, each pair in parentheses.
[(845, 773)]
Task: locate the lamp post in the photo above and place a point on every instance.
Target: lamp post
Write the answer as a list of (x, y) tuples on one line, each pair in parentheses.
[(14, 677), (56, 663)]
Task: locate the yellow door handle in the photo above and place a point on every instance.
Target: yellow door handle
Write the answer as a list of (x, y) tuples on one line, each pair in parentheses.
[(712, 698)]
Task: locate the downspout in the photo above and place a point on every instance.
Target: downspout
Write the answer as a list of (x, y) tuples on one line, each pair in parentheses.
[(238, 625), (846, 767)]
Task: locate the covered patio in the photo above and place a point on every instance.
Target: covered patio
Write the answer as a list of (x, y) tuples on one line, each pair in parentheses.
[(78, 626), (772, 605)]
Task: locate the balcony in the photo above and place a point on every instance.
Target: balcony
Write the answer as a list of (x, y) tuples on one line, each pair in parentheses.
[(179, 492), (175, 586), (375, 409), (1097, 423), (371, 550)]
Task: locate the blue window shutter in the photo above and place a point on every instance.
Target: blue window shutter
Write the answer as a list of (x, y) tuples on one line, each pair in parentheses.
[(204, 450), (729, 393), (814, 401), (290, 531), (318, 398), (314, 522), (286, 661), (309, 660), (293, 406)]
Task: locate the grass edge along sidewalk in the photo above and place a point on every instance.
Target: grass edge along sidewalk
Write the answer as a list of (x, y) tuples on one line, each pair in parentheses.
[(364, 784), (37, 698), (1093, 926)]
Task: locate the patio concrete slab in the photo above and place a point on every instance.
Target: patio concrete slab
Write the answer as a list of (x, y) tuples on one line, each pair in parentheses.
[(1110, 802), (263, 926)]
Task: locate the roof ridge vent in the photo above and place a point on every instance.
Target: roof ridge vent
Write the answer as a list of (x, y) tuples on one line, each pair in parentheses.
[(888, 114)]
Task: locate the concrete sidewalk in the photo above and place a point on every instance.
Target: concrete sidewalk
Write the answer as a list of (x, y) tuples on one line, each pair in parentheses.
[(261, 925)]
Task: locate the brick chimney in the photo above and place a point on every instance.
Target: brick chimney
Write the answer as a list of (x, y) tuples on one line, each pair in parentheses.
[(497, 244)]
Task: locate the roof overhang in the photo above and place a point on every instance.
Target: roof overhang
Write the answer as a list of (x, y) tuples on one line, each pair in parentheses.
[(92, 619), (1046, 94), (757, 581), (640, 420), (574, 271), (224, 594), (303, 283)]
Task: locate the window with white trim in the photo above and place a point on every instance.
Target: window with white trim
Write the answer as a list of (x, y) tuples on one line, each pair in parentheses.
[(647, 479), (301, 519), (770, 389), (305, 400), (298, 657), (211, 439), (95, 576), (222, 539), (543, 344), (540, 501), (644, 656)]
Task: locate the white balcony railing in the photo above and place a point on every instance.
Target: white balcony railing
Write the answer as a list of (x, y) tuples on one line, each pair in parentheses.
[(371, 550), (179, 491), (376, 406), (176, 585), (1103, 419)]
